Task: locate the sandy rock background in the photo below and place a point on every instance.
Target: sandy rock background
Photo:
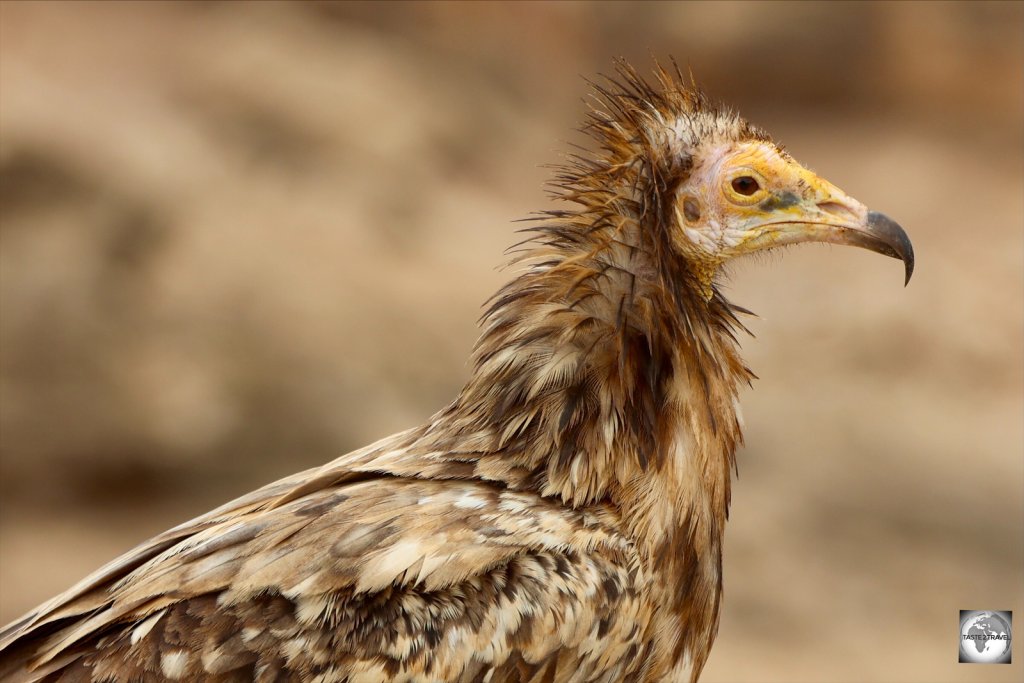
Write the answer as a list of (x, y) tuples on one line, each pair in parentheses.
[(239, 240)]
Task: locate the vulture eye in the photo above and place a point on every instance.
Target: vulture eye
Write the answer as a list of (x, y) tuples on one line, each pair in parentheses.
[(745, 185)]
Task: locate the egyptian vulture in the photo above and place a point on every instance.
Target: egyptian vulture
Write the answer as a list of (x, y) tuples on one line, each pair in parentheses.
[(561, 520)]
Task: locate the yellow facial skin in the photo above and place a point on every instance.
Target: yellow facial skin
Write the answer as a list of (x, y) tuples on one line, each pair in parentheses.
[(744, 197)]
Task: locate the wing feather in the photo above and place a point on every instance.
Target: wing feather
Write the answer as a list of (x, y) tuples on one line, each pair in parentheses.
[(370, 575)]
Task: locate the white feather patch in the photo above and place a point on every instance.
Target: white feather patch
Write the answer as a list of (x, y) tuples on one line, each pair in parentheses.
[(173, 664), (143, 629)]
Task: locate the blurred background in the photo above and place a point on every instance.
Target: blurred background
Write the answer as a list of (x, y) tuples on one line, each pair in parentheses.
[(240, 240)]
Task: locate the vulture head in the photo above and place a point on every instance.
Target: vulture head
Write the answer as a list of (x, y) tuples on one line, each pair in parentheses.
[(709, 186), (744, 194)]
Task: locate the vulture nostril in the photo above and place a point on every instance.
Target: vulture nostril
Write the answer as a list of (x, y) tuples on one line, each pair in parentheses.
[(837, 209)]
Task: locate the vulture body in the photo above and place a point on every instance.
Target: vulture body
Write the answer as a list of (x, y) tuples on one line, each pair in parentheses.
[(561, 521)]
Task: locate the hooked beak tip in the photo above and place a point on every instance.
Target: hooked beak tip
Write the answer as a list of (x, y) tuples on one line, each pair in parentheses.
[(892, 241)]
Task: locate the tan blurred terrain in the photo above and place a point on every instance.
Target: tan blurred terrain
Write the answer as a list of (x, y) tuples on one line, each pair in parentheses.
[(239, 240)]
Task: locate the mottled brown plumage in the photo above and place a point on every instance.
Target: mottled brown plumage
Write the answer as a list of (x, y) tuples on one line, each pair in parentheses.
[(562, 519)]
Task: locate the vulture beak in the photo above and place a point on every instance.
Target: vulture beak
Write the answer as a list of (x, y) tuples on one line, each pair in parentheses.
[(882, 234), (827, 214)]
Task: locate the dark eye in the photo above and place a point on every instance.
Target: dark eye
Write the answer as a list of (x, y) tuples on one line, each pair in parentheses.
[(745, 185)]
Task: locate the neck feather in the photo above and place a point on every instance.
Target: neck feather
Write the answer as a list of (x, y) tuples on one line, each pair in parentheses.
[(590, 374), (607, 372), (595, 383)]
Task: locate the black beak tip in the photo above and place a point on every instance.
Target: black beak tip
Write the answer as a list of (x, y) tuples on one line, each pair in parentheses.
[(895, 239)]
